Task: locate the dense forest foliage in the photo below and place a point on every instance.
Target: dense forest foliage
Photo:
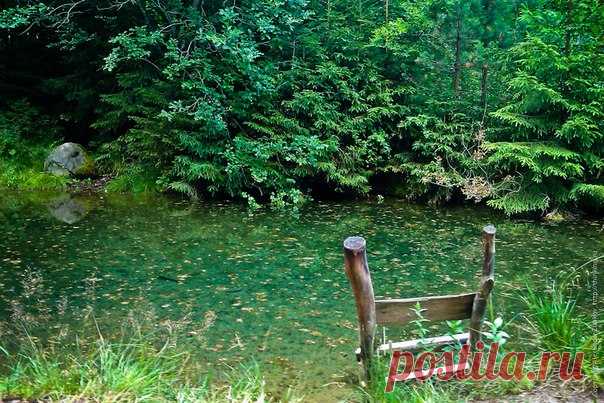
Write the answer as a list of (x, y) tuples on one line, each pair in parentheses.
[(283, 100)]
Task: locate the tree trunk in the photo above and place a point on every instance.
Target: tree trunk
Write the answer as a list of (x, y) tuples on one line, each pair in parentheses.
[(457, 66), (567, 33), (386, 6), (483, 86)]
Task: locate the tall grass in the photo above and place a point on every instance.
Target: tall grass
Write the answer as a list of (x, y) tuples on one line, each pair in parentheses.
[(560, 327), (553, 315), (593, 367), (408, 392), (122, 372), (142, 363), (107, 371)]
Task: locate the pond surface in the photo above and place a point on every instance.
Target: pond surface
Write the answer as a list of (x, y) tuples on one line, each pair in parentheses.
[(268, 286)]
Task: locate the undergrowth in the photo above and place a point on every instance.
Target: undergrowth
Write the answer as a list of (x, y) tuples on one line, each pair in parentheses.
[(15, 177), (133, 180), (26, 137)]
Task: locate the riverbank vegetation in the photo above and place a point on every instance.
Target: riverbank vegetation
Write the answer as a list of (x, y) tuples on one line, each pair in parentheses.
[(147, 361), (128, 371), (280, 101)]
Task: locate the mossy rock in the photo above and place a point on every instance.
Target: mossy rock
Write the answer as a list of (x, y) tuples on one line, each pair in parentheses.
[(69, 159)]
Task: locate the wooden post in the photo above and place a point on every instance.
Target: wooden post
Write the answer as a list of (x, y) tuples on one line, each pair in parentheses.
[(357, 270), (486, 284)]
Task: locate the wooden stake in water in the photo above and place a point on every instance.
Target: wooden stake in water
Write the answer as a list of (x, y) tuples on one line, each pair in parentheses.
[(486, 283), (357, 270)]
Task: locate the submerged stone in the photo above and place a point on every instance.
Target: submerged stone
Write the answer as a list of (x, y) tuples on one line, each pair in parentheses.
[(69, 159)]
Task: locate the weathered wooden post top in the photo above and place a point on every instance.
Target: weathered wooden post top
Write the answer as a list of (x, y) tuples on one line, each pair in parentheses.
[(371, 313)]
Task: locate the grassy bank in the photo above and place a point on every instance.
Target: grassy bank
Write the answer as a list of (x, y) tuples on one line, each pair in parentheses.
[(147, 364), (125, 372), (138, 367)]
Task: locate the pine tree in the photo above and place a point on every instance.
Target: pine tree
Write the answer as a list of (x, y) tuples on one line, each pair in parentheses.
[(551, 153)]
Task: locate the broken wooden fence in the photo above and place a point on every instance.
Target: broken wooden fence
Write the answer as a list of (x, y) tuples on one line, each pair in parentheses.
[(400, 311)]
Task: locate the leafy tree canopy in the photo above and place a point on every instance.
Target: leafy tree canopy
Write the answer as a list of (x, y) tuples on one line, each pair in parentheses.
[(280, 100)]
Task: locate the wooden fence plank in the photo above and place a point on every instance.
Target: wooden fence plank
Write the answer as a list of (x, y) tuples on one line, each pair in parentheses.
[(425, 344), (414, 346), (446, 307)]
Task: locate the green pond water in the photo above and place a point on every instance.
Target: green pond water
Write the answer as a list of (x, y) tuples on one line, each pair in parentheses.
[(268, 286)]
